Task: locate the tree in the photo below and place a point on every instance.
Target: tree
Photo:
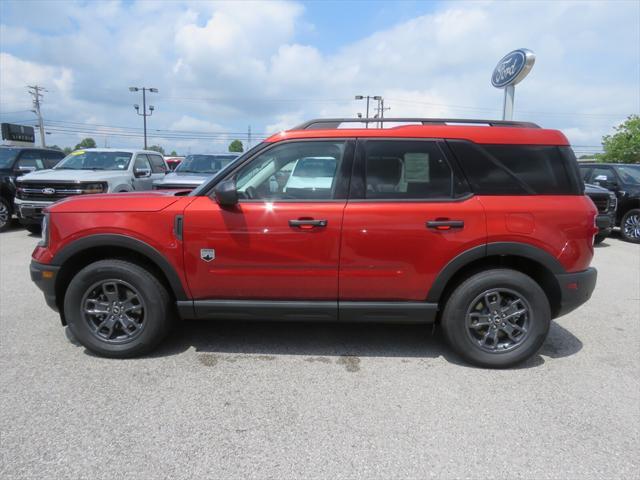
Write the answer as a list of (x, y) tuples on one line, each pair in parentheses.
[(86, 143), (624, 145), (55, 147), (174, 153), (236, 146), (67, 150), (157, 148)]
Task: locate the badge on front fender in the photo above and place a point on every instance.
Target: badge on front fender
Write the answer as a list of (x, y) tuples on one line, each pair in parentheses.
[(207, 254)]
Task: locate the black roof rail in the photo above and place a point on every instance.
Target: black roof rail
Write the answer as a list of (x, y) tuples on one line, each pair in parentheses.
[(332, 123)]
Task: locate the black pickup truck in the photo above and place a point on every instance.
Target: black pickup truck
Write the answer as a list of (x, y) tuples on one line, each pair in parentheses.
[(16, 161), (624, 180), (606, 202)]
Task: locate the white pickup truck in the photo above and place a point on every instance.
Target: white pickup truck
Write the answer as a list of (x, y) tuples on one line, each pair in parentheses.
[(92, 170)]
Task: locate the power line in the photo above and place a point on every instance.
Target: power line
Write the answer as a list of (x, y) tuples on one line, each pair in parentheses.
[(82, 124), (76, 131), (15, 111)]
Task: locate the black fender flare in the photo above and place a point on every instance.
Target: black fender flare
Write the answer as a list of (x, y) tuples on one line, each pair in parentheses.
[(129, 243), (524, 250)]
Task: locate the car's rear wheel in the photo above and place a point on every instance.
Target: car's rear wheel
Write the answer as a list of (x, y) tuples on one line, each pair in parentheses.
[(497, 318), (630, 226), (117, 309), (5, 213)]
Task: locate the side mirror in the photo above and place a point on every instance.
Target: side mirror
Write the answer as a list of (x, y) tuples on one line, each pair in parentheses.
[(226, 193), (141, 172)]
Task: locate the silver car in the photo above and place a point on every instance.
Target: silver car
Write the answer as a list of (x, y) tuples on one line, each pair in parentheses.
[(92, 170), (194, 170)]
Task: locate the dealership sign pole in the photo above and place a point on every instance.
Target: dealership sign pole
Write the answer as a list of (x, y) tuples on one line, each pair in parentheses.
[(511, 70)]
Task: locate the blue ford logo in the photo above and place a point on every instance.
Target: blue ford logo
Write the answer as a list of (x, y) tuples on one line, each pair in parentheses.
[(512, 68), (48, 191)]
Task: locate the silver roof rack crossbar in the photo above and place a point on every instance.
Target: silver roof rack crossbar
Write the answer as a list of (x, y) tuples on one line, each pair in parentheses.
[(333, 123)]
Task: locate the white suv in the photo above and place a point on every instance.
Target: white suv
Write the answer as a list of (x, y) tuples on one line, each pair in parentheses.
[(92, 170)]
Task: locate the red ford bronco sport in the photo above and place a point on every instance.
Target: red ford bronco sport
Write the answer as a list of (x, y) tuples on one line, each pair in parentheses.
[(481, 227)]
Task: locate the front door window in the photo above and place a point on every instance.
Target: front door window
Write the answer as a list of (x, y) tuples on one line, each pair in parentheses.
[(294, 171)]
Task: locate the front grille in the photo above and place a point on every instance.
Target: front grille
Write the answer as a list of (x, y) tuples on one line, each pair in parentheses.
[(47, 191), (601, 202)]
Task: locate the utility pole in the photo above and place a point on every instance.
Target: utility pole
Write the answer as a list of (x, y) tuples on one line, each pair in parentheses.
[(34, 91), (144, 113), (382, 109), (249, 137)]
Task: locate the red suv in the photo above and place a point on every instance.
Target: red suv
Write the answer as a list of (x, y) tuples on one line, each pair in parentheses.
[(481, 227)]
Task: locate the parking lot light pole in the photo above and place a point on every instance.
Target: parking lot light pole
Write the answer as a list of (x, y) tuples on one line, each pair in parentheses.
[(378, 98), (144, 113)]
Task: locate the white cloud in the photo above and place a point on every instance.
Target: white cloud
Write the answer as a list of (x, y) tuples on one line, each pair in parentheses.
[(234, 64), (16, 74), (196, 125)]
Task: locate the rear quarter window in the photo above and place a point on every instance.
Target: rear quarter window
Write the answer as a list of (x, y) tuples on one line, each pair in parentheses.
[(518, 169)]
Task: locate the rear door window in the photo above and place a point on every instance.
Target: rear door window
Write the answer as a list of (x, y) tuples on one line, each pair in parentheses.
[(405, 170), (585, 172), (157, 164)]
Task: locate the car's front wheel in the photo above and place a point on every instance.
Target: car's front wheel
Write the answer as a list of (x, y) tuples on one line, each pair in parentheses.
[(117, 309), (497, 318), (630, 226)]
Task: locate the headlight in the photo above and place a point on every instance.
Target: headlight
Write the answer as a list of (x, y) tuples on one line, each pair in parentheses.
[(44, 242), (94, 188)]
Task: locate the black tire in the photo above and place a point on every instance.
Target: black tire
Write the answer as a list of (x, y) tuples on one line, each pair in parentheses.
[(599, 239), (5, 213), (154, 308), (630, 226), (34, 228), (461, 307)]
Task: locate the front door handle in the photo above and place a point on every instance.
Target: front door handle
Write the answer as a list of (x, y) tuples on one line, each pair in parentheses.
[(307, 223), (445, 224)]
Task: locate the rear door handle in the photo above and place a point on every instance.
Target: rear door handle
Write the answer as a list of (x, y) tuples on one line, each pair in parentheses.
[(445, 224), (307, 224)]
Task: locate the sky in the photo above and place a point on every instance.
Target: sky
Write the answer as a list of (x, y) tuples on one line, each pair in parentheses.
[(222, 67)]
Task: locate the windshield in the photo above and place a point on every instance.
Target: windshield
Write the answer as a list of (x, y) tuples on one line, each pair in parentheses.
[(92, 160), (630, 174), (7, 156), (205, 163)]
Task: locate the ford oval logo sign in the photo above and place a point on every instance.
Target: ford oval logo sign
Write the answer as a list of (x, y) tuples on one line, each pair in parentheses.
[(512, 68), (48, 191)]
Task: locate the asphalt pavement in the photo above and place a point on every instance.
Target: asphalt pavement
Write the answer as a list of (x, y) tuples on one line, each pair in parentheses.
[(258, 400)]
